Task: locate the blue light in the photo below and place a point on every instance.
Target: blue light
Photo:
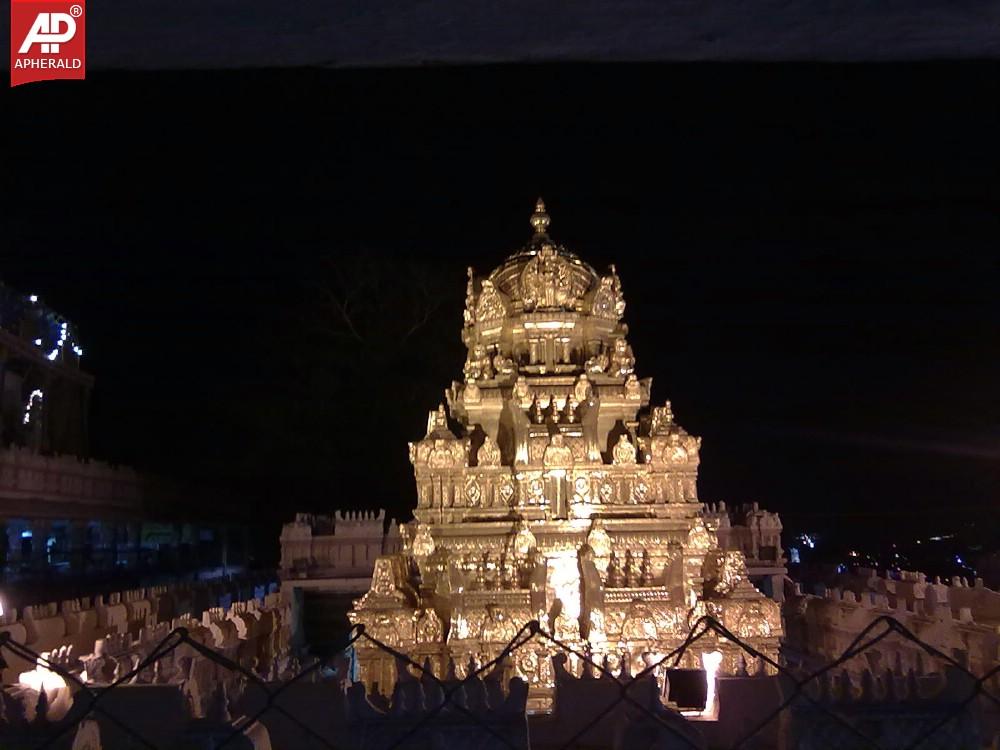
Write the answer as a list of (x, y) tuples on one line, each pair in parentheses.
[(26, 535)]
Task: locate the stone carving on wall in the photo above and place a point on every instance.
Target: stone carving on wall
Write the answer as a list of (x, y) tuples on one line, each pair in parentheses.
[(470, 298), (423, 543), (622, 359), (599, 363), (623, 451), (633, 391), (428, 627), (557, 454), (609, 302), (600, 542), (547, 281), (522, 395), (488, 453), (490, 308), (506, 490), (700, 539), (473, 492), (524, 540)]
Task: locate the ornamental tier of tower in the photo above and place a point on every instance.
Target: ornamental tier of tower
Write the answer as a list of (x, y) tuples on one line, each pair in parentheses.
[(549, 490)]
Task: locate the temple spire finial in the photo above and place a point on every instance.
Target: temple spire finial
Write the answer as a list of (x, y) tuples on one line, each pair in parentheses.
[(540, 219)]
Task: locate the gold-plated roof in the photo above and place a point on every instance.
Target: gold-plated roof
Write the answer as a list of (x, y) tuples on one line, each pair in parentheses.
[(542, 257)]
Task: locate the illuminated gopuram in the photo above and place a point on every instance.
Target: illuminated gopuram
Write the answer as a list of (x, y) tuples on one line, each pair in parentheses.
[(548, 489)]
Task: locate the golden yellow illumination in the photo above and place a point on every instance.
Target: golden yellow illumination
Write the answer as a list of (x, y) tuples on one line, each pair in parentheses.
[(549, 488)]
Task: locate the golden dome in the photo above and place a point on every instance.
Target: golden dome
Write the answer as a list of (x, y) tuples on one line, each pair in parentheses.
[(543, 274)]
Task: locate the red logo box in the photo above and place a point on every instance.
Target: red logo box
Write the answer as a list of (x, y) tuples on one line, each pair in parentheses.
[(48, 41)]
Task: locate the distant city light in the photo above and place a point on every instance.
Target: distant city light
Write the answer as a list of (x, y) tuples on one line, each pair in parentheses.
[(38, 342), (33, 298), (841, 568), (959, 560), (808, 539), (793, 555)]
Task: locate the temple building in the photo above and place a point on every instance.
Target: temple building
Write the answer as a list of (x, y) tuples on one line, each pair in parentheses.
[(549, 489), (63, 515)]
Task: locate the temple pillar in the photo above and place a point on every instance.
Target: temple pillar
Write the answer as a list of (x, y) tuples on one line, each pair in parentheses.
[(778, 587)]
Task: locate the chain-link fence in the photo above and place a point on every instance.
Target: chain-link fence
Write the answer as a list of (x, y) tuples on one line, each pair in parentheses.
[(858, 700)]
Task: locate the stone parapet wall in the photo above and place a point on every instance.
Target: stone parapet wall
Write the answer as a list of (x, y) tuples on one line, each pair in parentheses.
[(958, 619), (343, 545), (68, 481), (77, 624)]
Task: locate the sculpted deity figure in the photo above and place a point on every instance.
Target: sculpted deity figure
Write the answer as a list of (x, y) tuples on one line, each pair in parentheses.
[(633, 391), (383, 579), (557, 454), (470, 299), (547, 281), (524, 540), (609, 302), (582, 388), (478, 366), (428, 626), (599, 363), (488, 453), (441, 456), (502, 366), (624, 451), (471, 393), (423, 542), (437, 421), (732, 572), (663, 419), (490, 308), (522, 392), (600, 542), (565, 628), (622, 359), (497, 628), (700, 538), (639, 623)]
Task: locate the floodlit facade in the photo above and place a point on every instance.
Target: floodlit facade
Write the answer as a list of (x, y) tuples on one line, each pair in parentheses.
[(549, 489)]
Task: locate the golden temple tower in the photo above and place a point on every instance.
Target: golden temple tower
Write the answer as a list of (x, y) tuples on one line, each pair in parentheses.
[(548, 489)]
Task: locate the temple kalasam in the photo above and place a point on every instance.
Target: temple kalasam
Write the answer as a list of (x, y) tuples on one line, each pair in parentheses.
[(549, 489)]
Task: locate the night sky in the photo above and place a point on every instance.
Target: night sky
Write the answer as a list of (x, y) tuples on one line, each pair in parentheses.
[(809, 254)]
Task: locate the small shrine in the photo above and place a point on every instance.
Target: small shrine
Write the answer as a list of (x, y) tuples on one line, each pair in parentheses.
[(549, 489)]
